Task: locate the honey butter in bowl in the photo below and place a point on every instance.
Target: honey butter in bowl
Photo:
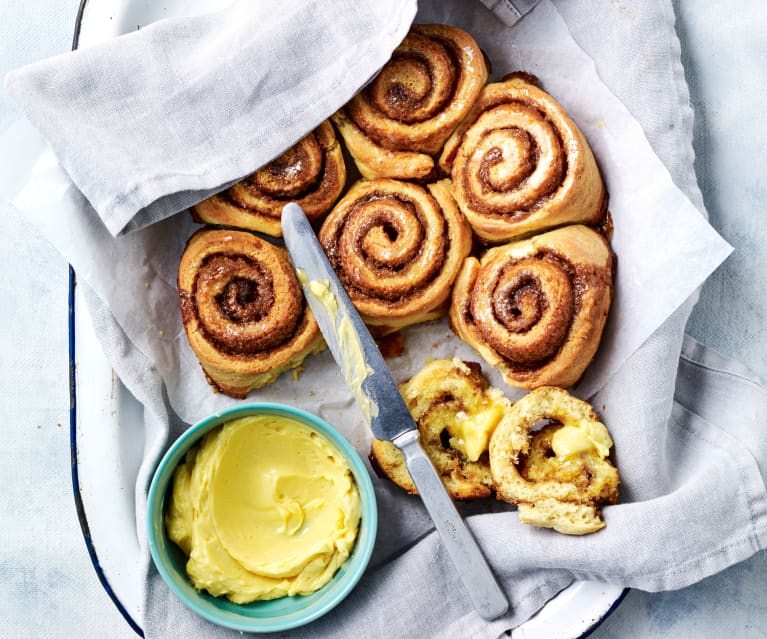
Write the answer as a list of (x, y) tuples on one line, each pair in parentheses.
[(261, 518)]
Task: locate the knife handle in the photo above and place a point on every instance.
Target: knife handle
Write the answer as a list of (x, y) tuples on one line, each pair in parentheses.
[(484, 591)]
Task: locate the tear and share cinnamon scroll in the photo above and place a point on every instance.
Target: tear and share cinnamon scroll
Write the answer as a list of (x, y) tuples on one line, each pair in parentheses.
[(243, 310), (447, 397), (561, 475), (520, 165), (536, 308), (395, 126), (397, 247), (311, 173)]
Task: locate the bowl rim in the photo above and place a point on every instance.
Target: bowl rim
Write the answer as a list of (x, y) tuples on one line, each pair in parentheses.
[(341, 587)]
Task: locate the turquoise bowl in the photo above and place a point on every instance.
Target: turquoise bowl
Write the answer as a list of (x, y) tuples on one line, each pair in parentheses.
[(259, 616)]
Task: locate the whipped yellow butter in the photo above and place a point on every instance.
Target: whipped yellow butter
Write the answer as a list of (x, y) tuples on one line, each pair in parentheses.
[(581, 436), (355, 368), (471, 431), (264, 507)]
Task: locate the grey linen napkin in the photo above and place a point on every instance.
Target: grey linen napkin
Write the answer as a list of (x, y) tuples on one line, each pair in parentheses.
[(693, 497), (135, 107)]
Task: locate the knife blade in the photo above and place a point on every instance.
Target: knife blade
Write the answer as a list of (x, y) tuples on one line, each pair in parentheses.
[(379, 399)]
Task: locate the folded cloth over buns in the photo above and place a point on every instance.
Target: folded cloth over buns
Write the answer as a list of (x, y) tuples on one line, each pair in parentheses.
[(687, 431), (126, 123)]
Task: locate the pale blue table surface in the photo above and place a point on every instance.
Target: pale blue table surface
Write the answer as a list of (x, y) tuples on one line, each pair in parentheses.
[(42, 553)]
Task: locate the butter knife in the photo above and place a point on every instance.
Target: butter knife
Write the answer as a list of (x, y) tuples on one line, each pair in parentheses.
[(380, 401)]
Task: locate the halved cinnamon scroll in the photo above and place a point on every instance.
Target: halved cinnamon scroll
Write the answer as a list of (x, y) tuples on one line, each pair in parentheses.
[(520, 165), (536, 308), (456, 412), (243, 310), (395, 125), (311, 173), (397, 248), (560, 475)]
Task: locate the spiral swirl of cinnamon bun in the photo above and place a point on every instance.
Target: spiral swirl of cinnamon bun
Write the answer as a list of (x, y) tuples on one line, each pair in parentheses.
[(536, 308), (554, 488), (402, 118), (397, 248), (243, 310), (311, 173), (520, 165)]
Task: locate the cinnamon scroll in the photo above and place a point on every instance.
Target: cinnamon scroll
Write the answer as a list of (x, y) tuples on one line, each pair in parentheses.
[(561, 475), (536, 308), (455, 411), (311, 173), (520, 165), (243, 310), (396, 247), (396, 124)]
